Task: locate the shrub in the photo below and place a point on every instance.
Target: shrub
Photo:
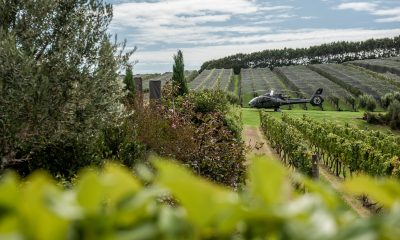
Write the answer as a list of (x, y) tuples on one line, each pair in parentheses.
[(335, 101), (374, 118), (371, 104), (391, 118), (233, 120), (386, 100), (233, 98), (200, 130), (396, 96), (394, 114), (166, 132), (62, 158), (362, 101), (352, 101), (208, 101), (367, 102), (120, 143)]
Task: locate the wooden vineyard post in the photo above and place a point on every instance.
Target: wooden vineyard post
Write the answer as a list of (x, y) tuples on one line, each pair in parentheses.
[(139, 90), (315, 170)]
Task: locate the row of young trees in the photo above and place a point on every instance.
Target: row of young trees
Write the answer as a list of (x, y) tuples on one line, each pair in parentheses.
[(337, 52)]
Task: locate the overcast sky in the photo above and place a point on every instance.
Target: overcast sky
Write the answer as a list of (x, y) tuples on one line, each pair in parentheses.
[(210, 29)]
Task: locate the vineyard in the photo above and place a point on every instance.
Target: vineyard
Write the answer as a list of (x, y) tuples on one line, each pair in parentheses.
[(259, 81), (88, 151), (391, 65), (163, 78), (358, 79), (212, 79), (345, 150), (307, 81), (342, 83)]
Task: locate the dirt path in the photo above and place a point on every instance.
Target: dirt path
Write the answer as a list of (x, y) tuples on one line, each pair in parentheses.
[(335, 182), (255, 139)]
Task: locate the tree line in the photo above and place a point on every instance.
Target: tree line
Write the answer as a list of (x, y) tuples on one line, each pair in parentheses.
[(336, 52)]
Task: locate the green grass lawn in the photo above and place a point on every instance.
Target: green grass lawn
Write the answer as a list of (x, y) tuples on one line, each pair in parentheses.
[(352, 118), (236, 84), (246, 97), (250, 116), (327, 106)]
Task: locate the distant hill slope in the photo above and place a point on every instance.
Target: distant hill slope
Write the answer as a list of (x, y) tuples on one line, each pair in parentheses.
[(336, 52), (342, 83)]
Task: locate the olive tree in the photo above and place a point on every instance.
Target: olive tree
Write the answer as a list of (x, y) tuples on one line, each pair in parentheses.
[(58, 75)]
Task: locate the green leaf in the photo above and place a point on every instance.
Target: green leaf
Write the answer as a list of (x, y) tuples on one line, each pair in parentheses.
[(172, 222), (9, 192), (267, 180), (327, 193), (134, 209), (207, 205), (118, 183), (385, 192), (90, 192), (36, 209)]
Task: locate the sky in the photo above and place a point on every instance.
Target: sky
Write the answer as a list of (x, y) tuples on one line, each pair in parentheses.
[(211, 29)]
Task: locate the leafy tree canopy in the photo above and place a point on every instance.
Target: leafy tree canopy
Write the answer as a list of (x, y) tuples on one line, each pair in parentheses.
[(58, 74)]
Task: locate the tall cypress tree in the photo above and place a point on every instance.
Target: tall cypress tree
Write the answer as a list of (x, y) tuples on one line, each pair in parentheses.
[(129, 82), (178, 75)]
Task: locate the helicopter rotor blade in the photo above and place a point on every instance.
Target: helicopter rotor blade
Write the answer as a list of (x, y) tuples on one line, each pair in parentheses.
[(261, 91), (291, 91), (277, 90)]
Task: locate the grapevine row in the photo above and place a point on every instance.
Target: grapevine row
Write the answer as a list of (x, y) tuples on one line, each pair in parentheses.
[(386, 143), (343, 148), (288, 141)]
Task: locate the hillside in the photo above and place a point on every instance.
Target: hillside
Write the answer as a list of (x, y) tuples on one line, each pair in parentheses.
[(342, 83)]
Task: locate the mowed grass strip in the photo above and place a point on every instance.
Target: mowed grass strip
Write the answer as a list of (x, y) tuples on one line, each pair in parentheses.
[(354, 119), (251, 117)]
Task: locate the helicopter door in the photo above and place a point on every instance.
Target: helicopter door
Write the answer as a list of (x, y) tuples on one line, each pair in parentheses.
[(265, 101)]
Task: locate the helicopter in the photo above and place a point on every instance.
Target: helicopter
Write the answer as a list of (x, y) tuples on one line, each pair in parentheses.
[(275, 99)]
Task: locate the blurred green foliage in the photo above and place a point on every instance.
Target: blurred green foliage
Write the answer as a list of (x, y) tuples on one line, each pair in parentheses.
[(113, 204)]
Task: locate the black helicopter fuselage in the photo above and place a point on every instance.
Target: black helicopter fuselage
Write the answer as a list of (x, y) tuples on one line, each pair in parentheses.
[(275, 101)]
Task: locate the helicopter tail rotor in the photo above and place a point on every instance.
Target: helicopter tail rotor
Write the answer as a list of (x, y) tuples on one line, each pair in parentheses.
[(317, 99)]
